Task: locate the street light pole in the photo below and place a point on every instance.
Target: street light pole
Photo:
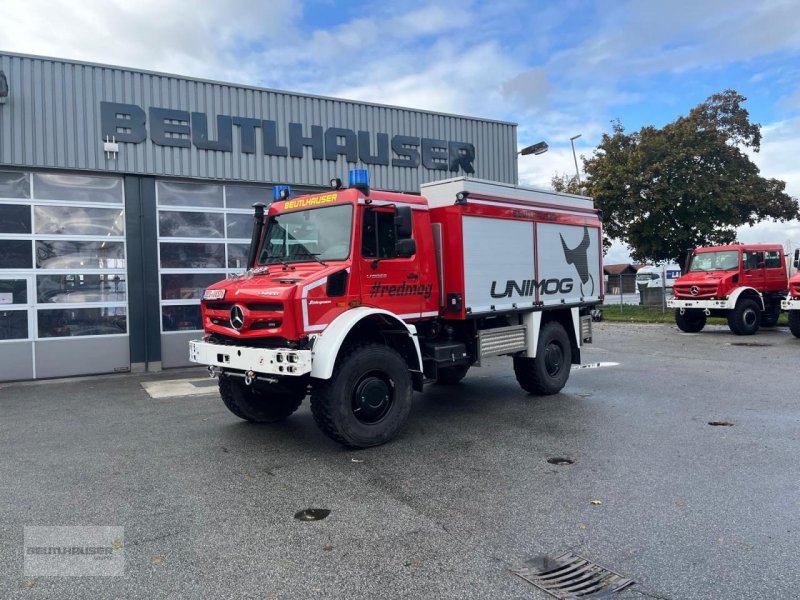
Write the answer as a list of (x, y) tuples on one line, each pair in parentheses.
[(574, 156)]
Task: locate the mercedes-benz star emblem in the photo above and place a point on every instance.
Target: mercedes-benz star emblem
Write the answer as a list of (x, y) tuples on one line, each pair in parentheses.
[(694, 290), (237, 317)]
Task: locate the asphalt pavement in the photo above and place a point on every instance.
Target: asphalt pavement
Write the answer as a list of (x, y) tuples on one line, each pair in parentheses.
[(450, 507)]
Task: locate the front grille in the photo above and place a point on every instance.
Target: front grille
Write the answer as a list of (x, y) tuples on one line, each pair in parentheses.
[(266, 306), (266, 325), (219, 305), (704, 290)]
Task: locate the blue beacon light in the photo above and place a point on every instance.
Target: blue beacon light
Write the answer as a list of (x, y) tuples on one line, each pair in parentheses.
[(359, 178), (281, 192)]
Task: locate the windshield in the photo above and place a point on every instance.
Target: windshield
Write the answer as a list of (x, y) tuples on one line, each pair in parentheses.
[(308, 235), (724, 260)]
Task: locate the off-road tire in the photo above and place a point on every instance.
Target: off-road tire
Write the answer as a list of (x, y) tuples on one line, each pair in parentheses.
[(548, 372), (451, 375), (744, 319), (691, 321), (770, 319), (268, 404), (794, 322), (367, 399)]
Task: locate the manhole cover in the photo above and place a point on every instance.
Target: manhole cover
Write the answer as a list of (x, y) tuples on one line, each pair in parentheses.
[(720, 423), (560, 461), (752, 344), (572, 576), (312, 514)]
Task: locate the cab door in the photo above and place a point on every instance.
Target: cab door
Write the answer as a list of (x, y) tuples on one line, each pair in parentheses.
[(388, 281), (753, 272)]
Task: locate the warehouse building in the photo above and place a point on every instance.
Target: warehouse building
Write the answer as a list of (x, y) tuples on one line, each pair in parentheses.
[(124, 193)]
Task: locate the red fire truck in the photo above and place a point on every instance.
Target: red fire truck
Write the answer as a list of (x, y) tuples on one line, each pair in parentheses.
[(792, 302), (743, 283), (362, 296)]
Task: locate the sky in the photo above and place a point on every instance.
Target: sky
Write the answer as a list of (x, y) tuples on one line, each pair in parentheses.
[(558, 69)]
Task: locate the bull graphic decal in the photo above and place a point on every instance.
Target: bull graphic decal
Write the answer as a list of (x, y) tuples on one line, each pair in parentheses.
[(579, 256)]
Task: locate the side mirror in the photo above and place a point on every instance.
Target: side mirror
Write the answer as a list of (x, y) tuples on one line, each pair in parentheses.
[(405, 248), (402, 222), (797, 259)]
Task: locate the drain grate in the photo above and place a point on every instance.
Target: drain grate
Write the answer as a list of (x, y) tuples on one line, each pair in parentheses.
[(571, 576)]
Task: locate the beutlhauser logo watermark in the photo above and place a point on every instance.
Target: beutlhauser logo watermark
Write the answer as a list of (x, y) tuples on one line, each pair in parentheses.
[(74, 551)]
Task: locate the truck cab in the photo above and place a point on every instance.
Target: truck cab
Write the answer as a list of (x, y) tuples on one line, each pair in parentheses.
[(742, 283)]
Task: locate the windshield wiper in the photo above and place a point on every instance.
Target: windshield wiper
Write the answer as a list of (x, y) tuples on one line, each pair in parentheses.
[(314, 255)]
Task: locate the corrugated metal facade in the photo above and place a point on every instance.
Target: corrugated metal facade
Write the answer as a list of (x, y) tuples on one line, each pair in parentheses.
[(52, 120)]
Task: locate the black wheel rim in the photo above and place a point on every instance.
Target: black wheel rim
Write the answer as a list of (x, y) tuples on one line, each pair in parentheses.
[(372, 398), (553, 358), (750, 317)]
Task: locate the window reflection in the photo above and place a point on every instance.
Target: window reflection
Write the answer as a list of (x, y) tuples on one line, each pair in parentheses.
[(73, 322), (15, 218), (77, 220), (77, 188), (190, 224), (239, 226), (80, 288), (13, 291), (63, 254), (181, 318), (14, 185), (192, 256), (15, 254), (237, 255), (187, 286), (240, 196), (13, 324), (174, 193)]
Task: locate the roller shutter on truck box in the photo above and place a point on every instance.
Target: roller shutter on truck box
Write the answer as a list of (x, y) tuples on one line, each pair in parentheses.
[(513, 264)]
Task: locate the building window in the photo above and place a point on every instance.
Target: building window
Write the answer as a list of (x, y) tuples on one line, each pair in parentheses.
[(62, 255)]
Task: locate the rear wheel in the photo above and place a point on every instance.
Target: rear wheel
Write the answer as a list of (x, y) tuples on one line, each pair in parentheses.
[(691, 321), (262, 404), (794, 322), (548, 372), (451, 375), (367, 399), (770, 319), (745, 317)]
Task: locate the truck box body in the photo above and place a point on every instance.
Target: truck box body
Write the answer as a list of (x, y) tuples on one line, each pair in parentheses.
[(527, 248)]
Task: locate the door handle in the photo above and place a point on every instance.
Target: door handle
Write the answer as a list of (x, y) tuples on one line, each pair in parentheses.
[(412, 276)]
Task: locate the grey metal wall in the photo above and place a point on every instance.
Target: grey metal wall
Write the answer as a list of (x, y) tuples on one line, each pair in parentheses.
[(52, 119)]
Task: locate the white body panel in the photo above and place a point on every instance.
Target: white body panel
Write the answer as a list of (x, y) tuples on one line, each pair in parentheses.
[(512, 264), (328, 343), (791, 304), (728, 303), (269, 361), (443, 193)]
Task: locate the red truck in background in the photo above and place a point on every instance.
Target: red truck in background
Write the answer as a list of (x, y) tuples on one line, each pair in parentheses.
[(743, 283), (792, 302), (361, 296)]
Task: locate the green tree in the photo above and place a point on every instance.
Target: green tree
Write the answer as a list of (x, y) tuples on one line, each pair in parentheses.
[(689, 184), (561, 182)]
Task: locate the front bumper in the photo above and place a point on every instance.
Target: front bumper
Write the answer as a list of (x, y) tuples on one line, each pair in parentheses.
[(722, 304), (790, 304), (267, 361)]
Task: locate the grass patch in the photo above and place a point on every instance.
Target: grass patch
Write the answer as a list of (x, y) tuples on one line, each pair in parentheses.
[(634, 313)]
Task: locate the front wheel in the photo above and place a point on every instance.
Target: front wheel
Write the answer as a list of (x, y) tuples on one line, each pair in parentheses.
[(691, 321), (794, 322), (548, 372), (367, 399), (744, 319), (257, 404)]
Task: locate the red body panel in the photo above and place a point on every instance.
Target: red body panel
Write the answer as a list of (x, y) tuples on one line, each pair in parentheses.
[(794, 285)]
